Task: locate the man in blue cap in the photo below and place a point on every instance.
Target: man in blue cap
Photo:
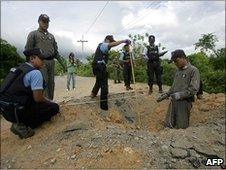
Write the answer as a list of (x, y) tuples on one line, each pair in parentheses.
[(21, 96)]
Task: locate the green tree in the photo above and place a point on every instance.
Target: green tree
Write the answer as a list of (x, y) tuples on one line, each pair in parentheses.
[(218, 62), (58, 68), (207, 43), (9, 58)]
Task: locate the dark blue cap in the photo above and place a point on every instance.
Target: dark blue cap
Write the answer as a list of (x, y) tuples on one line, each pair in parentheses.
[(34, 51)]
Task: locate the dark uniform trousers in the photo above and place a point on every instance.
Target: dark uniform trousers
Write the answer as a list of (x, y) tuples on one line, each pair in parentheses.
[(102, 84), (35, 114), (154, 68), (127, 72), (178, 114)]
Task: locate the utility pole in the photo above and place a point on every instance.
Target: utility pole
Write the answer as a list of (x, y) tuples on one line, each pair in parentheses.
[(82, 41)]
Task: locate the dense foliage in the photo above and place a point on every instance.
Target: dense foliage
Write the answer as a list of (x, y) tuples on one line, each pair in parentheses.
[(8, 58)]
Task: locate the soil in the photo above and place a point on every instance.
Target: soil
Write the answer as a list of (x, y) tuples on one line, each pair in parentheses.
[(131, 134)]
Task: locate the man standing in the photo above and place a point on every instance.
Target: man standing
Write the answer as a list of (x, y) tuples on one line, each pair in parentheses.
[(21, 96), (154, 64), (100, 69), (185, 86), (125, 55), (117, 70), (44, 40)]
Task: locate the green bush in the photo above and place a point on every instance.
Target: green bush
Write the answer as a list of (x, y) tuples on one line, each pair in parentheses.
[(9, 58), (214, 82)]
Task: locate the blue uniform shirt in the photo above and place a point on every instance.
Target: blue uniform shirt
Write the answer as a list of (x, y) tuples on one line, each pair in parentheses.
[(104, 48), (34, 79)]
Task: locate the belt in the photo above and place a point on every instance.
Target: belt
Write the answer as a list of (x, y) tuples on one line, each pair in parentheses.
[(49, 58), (153, 61)]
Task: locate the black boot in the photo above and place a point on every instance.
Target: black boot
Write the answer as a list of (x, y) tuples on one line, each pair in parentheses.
[(160, 89), (150, 90)]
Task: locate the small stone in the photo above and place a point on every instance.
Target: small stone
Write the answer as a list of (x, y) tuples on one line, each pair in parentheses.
[(128, 149), (9, 166), (107, 150), (73, 156), (179, 153), (136, 138), (52, 161), (194, 137), (173, 160), (164, 147), (29, 147), (79, 145), (195, 162), (58, 150)]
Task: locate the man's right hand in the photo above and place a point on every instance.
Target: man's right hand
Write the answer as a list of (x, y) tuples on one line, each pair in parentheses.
[(162, 97), (127, 41)]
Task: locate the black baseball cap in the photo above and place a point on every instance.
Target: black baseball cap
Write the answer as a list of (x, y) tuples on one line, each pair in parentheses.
[(34, 51), (177, 54), (110, 38), (151, 37), (44, 17)]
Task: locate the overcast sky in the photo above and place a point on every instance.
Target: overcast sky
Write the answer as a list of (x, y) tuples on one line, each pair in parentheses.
[(176, 24)]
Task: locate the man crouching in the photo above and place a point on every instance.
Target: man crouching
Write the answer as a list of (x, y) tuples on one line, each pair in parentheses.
[(21, 96)]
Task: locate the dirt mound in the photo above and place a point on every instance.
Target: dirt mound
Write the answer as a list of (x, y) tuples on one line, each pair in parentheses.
[(130, 135)]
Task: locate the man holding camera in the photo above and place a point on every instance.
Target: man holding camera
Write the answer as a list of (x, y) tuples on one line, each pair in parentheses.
[(185, 85)]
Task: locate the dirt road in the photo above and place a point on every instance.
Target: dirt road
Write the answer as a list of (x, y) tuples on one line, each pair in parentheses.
[(84, 87)]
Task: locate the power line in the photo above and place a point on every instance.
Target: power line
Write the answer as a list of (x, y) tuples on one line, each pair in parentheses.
[(97, 17), (139, 18), (147, 7)]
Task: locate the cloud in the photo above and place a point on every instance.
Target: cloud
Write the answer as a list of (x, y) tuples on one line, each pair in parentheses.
[(176, 24)]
